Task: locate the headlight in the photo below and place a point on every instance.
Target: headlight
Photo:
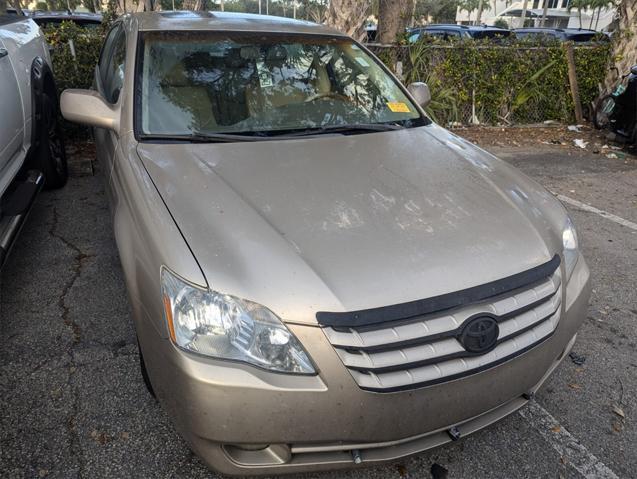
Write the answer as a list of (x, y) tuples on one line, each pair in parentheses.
[(224, 327), (570, 243)]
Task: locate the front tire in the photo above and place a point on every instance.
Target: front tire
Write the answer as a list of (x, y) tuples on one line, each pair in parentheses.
[(603, 110), (144, 371), (50, 155)]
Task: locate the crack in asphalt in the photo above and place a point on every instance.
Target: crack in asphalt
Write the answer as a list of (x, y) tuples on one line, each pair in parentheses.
[(76, 333), (79, 259)]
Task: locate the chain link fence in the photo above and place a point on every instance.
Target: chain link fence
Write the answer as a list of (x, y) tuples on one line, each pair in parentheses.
[(498, 84)]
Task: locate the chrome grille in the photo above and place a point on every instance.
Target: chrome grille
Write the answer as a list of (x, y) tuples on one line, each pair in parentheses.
[(425, 350)]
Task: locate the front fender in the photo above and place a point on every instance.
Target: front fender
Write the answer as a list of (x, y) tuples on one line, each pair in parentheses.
[(146, 236)]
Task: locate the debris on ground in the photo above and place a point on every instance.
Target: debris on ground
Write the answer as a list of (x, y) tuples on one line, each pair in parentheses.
[(547, 133), (580, 143), (438, 471), (619, 411), (577, 358), (100, 437)]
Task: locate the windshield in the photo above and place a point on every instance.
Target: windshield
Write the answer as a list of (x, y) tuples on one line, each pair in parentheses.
[(244, 83)]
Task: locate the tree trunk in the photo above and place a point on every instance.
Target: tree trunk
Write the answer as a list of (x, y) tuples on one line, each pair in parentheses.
[(480, 9), (525, 7), (393, 17), (599, 13), (545, 13), (625, 42), (3, 6), (349, 16)]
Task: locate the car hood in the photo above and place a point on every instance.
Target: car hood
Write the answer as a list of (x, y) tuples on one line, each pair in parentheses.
[(341, 223)]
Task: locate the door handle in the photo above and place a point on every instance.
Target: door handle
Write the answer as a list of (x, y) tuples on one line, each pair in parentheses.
[(3, 52)]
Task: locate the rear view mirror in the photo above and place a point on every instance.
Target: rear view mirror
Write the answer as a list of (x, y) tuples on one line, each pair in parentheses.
[(633, 70), (421, 93), (88, 108)]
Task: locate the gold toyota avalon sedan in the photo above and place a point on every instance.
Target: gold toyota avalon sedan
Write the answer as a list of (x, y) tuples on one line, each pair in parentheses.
[(320, 276)]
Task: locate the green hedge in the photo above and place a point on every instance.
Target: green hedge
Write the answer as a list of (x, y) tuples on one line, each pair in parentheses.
[(74, 67), (470, 81), (500, 84)]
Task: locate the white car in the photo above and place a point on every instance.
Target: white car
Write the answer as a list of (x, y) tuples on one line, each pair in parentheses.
[(31, 147)]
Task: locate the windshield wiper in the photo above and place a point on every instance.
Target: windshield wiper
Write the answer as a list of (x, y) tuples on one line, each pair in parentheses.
[(352, 128), (204, 137), (211, 137)]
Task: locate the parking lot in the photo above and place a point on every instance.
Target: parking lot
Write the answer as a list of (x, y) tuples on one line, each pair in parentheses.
[(74, 405)]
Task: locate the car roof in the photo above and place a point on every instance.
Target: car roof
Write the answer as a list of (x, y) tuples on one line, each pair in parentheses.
[(447, 25), (227, 21), (488, 28), (538, 29), (66, 15)]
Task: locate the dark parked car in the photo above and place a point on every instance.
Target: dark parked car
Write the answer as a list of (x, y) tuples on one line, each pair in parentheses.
[(46, 18), (561, 34), (457, 32), (13, 12)]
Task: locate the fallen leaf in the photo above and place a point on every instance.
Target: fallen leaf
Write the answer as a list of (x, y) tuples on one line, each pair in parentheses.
[(43, 472), (619, 411), (402, 470), (125, 435), (617, 426), (100, 437), (556, 429), (574, 386)]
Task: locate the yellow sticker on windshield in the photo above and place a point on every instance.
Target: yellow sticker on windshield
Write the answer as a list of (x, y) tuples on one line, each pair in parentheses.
[(398, 107)]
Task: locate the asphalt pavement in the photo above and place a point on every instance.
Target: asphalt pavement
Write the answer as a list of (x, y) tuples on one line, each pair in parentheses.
[(73, 404)]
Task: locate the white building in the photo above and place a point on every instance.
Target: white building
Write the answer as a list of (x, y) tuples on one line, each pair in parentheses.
[(558, 15)]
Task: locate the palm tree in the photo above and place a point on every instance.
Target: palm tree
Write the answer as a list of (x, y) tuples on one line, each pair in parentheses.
[(545, 13), (580, 5), (479, 15), (598, 5), (625, 44), (525, 7), (469, 5)]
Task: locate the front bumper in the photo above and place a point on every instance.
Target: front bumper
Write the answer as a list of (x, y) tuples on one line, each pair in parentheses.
[(241, 420)]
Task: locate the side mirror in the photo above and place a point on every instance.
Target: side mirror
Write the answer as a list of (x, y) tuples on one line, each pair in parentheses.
[(89, 108), (633, 70), (421, 93)]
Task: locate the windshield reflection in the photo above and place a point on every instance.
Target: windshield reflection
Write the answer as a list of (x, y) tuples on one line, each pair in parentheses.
[(206, 82)]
